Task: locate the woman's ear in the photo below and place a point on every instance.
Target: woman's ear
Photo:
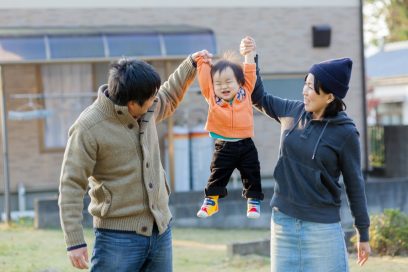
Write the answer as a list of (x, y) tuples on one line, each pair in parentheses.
[(331, 98)]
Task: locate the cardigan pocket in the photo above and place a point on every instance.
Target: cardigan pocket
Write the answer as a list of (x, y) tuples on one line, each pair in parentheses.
[(101, 200), (165, 182)]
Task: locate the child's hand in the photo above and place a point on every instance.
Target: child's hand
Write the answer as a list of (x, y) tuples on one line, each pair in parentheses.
[(247, 46), (204, 54)]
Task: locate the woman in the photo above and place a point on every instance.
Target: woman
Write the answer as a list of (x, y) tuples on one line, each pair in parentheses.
[(318, 143)]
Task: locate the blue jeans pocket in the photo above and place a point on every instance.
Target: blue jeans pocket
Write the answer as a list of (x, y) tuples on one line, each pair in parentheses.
[(128, 251)]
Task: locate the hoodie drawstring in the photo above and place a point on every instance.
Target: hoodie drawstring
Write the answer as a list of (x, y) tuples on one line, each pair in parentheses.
[(318, 140)]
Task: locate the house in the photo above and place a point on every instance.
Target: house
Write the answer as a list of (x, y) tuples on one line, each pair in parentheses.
[(54, 55), (387, 100), (387, 74)]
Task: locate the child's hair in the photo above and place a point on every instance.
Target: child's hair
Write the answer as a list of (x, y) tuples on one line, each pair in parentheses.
[(229, 59)]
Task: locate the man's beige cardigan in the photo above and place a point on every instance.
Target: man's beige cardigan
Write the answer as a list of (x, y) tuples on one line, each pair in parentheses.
[(120, 161)]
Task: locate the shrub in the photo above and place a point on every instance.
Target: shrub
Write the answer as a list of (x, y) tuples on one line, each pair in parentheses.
[(388, 233)]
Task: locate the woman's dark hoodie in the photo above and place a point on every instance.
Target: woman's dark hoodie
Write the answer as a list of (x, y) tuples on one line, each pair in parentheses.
[(312, 156)]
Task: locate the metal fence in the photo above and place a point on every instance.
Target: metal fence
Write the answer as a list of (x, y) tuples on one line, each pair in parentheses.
[(376, 147)]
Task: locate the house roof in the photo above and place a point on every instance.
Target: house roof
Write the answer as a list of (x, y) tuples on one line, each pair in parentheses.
[(391, 61)]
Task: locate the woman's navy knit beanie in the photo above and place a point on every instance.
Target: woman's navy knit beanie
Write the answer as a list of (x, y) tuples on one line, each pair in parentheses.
[(334, 75)]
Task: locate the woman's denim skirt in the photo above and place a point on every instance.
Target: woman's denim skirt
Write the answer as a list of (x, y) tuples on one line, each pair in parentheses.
[(302, 246)]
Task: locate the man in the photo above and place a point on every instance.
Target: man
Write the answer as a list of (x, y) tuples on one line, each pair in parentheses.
[(113, 148)]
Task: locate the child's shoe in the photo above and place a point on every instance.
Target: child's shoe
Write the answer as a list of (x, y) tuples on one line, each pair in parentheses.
[(254, 208), (209, 207)]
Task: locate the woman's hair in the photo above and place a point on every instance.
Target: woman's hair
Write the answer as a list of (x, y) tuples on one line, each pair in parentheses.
[(229, 59), (334, 107)]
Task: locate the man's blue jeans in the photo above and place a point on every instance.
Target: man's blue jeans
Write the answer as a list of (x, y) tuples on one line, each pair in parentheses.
[(127, 251)]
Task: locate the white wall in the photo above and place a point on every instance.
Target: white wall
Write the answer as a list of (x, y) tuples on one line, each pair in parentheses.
[(391, 93)]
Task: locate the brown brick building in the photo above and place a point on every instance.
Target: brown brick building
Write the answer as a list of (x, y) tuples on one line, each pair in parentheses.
[(61, 77)]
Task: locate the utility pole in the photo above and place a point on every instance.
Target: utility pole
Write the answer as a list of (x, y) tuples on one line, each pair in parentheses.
[(4, 135)]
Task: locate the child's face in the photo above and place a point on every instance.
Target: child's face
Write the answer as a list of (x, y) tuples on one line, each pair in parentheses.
[(225, 84)]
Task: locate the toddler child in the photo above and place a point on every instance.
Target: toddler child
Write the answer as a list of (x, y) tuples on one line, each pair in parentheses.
[(227, 88)]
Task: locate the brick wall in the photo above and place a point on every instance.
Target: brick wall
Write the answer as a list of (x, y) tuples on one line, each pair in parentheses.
[(284, 42), (28, 164)]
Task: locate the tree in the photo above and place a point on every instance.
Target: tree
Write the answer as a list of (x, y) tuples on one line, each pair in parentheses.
[(385, 21), (397, 20)]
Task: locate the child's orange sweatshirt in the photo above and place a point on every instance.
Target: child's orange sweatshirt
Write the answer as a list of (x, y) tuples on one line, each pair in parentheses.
[(231, 121)]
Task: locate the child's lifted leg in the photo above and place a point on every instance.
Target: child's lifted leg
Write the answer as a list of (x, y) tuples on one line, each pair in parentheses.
[(227, 88)]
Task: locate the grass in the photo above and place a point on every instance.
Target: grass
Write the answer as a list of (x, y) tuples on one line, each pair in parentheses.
[(24, 249), (206, 250)]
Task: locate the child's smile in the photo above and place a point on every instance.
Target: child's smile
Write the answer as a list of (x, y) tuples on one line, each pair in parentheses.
[(225, 84)]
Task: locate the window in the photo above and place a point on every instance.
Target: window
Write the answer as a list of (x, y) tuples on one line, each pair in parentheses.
[(390, 113), (285, 86), (100, 43), (26, 48), (62, 47), (187, 43), (133, 45), (67, 91)]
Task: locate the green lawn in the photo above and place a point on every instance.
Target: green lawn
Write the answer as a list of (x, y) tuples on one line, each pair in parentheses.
[(24, 249)]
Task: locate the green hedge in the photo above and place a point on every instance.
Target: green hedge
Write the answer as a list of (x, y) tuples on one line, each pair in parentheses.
[(388, 233)]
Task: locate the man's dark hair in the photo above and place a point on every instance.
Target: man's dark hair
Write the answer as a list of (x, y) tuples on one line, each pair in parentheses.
[(334, 107), (132, 80)]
